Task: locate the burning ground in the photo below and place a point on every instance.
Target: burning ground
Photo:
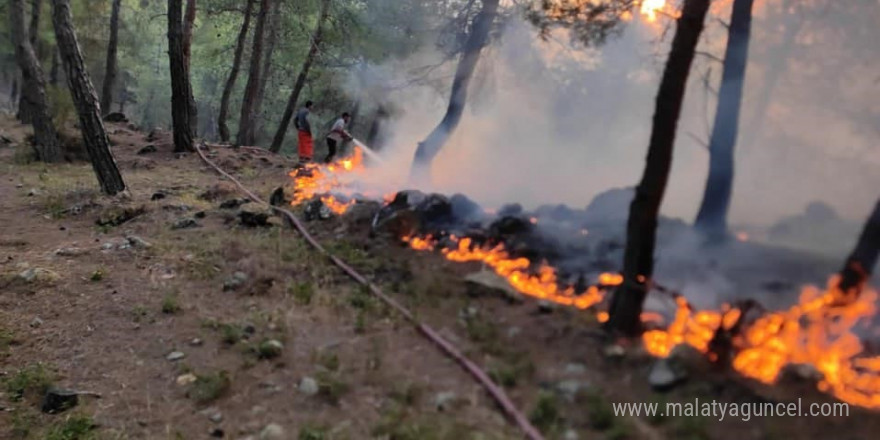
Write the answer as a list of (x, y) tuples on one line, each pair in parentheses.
[(184, 265)]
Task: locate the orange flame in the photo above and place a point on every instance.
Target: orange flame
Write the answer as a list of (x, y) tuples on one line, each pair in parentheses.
[(542, 285), (650, 9)]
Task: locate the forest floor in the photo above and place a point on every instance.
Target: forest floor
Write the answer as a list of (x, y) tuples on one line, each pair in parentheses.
[(174, 317)]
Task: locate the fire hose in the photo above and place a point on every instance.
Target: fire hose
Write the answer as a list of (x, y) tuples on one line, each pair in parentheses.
[(495, 391)]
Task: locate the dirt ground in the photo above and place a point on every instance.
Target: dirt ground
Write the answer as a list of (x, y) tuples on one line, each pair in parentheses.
[(190, 325)]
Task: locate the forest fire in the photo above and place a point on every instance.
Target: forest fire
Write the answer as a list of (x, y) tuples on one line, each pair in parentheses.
[(650, 9), (315, 179), (542, 285)]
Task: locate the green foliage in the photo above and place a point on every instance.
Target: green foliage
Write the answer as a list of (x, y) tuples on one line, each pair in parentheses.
[(73, 428), (170, 304), (313, 433), (209, 387), (546, 415), (302, 292), (331, 387), (33, 379)]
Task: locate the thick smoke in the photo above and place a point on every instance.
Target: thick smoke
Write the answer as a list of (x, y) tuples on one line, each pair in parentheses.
[(550, 122)]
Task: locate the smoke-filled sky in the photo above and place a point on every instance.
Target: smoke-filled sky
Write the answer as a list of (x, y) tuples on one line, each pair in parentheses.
[(551, 122)]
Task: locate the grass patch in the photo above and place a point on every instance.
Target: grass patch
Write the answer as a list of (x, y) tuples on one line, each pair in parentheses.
[(231, 334), (328, 360), (331, 387), (399, 424), (170, 304), (407, 394), (7, 339), (302, 293), (23, 423), (599, 411), (313, 433), (209, 387), (97, 275), (73, 428), (546, 415), (139, 313), (485, 333), (32, 379)]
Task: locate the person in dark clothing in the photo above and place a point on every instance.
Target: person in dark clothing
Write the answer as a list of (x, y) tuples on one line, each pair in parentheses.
[(337, 135), (304, 131)]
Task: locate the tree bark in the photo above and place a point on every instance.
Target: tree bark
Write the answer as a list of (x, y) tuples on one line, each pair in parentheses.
[(638, 262), (271, 38), (189, 19), (110, 70), (46, 143), (86, 101), (712, 216), (376, 137), (478, 37), (861, 261), (26, 111), (247, 119), (233, 74), (278, 140), (181, 90)]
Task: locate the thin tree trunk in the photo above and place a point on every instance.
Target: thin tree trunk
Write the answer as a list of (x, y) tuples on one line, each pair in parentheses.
[(110, 70), (278, 140), (638, 263), (233, 74), (478, 37), (861, 261), (46, 144), (712, 216), (54, 70), (189, 19), (25, 108), (776, 69), (375, 137), (181, 90), (247, 119), (86, 101), (271, 38)]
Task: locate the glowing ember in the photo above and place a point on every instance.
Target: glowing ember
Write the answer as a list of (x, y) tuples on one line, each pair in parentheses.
[(650, 8), (742, 236)]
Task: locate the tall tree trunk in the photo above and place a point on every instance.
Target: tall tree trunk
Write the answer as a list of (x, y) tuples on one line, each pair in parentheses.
[(712, 216), (110, 70), (861, 261), (189, 19), (246, 131), (86, 101), (478, 37), (375, 137), (271, 38), (46, 144), (278, 140), (181, 90), (233, 74), (25, 108), (641, 230)]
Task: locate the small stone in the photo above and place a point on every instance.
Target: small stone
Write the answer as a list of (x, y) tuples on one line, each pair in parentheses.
[(186, 379), (570, 388), (147, 149), (107, 246), (513, 332), (445, 400), (185, 223), (158, 195), (70, 252), (217, 433), (253, 219), (33, 192), (196, 342), (308, 386), (39, 275), (570, 434), (664, 375), (545, 306), (270, 349), (614, 351), (37, 322), (272, 431), (217, 417), (237, 280), (575, 369), (175, 356), (138, 242)]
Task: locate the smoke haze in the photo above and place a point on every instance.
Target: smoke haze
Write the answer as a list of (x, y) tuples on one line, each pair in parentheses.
[(550, 122)]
